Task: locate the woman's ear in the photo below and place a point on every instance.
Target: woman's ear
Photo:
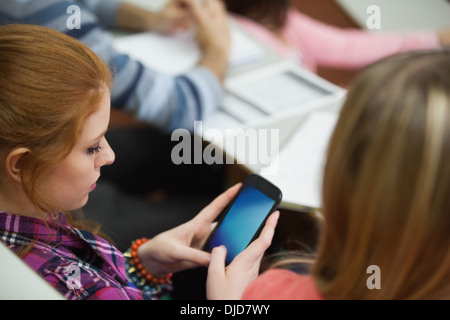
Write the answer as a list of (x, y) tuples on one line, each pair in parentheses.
[(14, 162)]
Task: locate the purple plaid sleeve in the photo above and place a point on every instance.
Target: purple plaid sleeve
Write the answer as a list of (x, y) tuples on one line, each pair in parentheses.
[(79, 264)]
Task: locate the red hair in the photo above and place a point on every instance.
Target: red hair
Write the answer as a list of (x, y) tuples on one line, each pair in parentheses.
[(50, 85)]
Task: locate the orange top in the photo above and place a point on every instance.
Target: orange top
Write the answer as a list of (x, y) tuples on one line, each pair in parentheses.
[(278, 284)]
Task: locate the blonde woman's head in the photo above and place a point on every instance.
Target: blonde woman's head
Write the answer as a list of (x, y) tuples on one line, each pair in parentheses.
[(386, 183)]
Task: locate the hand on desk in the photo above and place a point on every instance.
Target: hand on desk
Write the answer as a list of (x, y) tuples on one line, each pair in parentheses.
[(209, 17), (213, 34)]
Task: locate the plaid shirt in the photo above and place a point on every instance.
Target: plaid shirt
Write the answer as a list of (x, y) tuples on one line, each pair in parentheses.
[(79, 264)]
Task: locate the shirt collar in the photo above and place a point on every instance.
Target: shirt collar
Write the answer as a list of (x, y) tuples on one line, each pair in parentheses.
[(49, 231)]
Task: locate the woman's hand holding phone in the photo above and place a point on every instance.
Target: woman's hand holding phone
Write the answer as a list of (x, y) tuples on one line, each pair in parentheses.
[(180, 248), (243, 210), (229, 283)]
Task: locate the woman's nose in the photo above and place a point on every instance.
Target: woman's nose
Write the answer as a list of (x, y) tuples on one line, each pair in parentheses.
[(108, 156)]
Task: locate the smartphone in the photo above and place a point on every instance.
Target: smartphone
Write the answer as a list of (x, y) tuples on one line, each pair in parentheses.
[(243, 219)]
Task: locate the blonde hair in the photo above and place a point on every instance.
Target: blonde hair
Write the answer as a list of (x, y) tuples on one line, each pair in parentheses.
[(386, 184), (50, 84)]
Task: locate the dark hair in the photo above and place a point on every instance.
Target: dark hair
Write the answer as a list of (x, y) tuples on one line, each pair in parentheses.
[(270, 13)]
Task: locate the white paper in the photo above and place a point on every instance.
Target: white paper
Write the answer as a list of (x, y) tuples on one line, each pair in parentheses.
[(171, 54), (299, 168), (177, 53), (278, 91)]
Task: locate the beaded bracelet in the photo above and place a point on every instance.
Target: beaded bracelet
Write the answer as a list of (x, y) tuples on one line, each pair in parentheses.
[(153, 286)]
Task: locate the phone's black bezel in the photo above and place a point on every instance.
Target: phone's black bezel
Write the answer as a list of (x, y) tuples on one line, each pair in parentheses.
[(261, 184)]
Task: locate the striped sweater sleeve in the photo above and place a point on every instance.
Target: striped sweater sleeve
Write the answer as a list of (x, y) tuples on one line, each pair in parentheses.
[(165, 101)]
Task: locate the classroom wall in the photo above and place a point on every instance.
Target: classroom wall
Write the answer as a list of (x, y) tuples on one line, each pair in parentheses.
[(396, 15), (401, 15)]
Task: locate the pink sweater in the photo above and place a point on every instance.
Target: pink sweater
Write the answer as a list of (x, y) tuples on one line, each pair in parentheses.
[(312, 43), (278, 284)]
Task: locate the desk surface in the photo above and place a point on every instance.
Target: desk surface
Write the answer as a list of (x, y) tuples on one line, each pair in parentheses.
[(20, 282)]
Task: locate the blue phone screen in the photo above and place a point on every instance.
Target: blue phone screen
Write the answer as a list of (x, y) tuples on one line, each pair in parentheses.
[(242, 221)]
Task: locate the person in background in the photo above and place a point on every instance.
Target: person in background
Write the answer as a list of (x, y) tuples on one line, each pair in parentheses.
[(385, 193), (164, 101), (312, 43), (52, 150), (144, 178)]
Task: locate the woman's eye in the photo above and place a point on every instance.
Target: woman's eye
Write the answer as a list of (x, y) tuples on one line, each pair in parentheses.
[(95, 150)]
